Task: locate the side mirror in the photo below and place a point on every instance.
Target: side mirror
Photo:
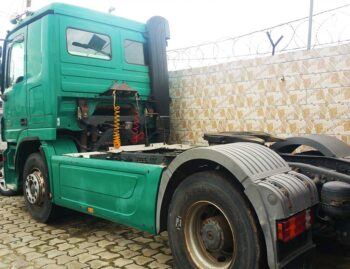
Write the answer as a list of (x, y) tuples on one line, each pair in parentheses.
[(1, 78), (0, 73)]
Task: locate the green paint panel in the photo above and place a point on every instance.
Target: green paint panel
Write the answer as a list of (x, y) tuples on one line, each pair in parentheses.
[(119, 191), (9, 167), (35, 97), (83, 179), (15, 107)]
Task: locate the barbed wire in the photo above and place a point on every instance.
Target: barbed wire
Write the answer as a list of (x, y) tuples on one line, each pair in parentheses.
[(330, 27)]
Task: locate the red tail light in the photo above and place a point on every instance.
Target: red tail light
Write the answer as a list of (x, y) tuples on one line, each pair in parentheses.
[(290, 228)]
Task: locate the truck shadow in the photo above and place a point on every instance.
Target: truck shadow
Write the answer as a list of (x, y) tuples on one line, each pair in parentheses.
[(330, 254)]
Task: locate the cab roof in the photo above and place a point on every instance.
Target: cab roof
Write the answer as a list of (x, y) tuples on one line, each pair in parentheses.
[(83, 13)]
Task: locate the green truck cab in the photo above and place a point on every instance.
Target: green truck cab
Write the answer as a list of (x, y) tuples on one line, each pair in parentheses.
[(78, 83)]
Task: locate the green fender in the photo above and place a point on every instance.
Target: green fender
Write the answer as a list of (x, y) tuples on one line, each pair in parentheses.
[(56, 147)]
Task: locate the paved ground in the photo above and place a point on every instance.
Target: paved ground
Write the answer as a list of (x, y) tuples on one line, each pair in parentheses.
[(76, 241), (81, 241)]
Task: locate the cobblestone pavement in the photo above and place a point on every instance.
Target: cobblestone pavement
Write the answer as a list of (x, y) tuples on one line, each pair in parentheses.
[(82, 241), (75, 241)]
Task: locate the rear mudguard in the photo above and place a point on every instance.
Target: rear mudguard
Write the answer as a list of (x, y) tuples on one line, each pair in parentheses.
[(274, 191), (328, 146)]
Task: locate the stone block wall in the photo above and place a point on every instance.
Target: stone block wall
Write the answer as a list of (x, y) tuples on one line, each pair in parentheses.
[(295, 93)]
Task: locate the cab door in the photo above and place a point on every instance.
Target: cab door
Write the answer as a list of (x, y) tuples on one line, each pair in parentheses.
[(15, 96)]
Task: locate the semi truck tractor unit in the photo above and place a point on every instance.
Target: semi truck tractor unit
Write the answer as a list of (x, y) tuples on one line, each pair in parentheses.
[(86, 122)]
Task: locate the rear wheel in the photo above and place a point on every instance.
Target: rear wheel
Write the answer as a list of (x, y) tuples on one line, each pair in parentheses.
[(210, 225), (36, 189)]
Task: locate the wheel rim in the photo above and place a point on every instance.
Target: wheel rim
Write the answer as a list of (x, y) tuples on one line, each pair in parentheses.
[(209, 236), (34, 187), (3, 186)]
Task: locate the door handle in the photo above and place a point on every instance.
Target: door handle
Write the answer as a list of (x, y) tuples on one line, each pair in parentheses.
[(23, 122)]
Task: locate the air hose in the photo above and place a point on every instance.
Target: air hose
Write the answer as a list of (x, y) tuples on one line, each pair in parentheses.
[(116, 131), (137, 135)]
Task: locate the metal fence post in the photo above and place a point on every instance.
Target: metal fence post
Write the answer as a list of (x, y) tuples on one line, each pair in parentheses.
[(309, 34)]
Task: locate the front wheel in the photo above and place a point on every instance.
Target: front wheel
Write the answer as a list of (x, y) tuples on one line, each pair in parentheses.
[(36, 189), (210, 225), (4, 190)]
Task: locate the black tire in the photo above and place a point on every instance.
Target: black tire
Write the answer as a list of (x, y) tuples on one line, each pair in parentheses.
[(207, 203), (41, 209), (4, 191)]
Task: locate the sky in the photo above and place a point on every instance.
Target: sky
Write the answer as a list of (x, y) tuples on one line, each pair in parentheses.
[(192, 21)]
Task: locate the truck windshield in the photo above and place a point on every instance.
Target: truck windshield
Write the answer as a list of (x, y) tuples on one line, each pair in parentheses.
[(88, 44)]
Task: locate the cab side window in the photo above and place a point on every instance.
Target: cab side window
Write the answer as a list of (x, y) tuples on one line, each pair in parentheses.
[(15, 68), (134, 52), (88, 44)]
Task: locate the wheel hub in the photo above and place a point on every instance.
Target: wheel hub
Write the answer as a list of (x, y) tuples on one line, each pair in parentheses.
[(209, 236), (212, 234), (34, 188)]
